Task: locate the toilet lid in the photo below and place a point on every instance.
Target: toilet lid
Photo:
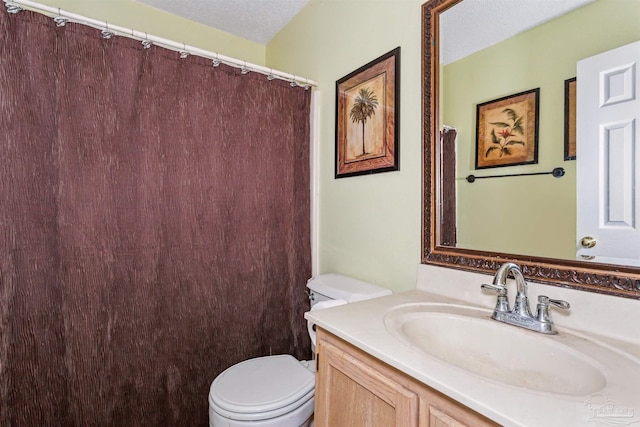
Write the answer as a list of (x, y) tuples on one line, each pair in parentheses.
[(262, 385)]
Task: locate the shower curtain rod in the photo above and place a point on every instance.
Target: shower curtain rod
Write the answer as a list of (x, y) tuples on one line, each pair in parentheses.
[(61, 17)]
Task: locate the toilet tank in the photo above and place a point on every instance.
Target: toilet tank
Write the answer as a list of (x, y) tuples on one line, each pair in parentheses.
[(334, 286)]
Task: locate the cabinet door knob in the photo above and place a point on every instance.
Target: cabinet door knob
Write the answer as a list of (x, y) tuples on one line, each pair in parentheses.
[(588, 242)]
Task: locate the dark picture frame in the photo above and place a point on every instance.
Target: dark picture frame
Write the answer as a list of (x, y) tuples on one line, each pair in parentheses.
[(507, 130), (368, 117), (570, 119)]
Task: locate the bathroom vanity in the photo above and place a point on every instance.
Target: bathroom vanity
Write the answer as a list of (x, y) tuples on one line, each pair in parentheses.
[(434, 357), (354, 388)]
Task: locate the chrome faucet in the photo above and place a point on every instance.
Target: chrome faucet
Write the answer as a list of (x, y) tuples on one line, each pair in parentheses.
[(521, 315)]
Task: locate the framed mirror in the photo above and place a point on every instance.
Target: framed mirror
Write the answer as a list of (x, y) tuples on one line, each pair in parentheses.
[(531, 219)]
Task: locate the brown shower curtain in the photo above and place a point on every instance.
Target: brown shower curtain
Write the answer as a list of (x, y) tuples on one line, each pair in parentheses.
[(154, 226)]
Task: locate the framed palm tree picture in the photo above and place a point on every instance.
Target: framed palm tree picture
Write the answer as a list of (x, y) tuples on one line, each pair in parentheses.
[(507, 130), (367, 118)]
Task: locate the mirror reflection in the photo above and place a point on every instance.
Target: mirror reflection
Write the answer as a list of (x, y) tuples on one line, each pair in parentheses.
[(535, 215)]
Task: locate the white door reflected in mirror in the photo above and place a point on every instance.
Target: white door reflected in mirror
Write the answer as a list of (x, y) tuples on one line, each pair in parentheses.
[(608, 156)]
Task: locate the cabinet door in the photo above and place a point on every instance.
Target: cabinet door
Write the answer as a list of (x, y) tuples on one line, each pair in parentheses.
[(437, 410), (438, 418), (351, 393)]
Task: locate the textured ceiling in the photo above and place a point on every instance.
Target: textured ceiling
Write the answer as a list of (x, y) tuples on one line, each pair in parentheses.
[(475, 24), (467, 28), (255, 20)]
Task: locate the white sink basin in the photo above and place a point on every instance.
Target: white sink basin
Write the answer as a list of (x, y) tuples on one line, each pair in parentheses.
[(468, 339)]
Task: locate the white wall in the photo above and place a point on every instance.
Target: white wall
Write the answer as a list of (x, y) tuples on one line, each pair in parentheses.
[(369, 226)]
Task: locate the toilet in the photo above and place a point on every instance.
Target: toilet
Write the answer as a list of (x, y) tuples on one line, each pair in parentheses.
[(277, 391)]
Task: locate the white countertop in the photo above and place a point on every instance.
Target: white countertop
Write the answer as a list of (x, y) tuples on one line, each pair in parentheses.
[(362, 324)]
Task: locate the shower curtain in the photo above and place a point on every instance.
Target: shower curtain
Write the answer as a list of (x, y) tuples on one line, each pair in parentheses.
[(154, 226)]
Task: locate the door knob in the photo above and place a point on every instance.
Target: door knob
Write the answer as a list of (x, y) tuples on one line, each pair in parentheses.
[(588, 242)]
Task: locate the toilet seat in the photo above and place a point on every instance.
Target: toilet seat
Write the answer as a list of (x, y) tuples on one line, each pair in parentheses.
[(262, 388)]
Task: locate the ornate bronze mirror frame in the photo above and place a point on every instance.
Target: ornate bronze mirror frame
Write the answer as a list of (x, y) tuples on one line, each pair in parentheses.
[(616, 280)]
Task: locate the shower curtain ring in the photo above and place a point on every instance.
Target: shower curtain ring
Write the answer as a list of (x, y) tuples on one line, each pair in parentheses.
[(60, 21), (146, 43), (106, 33), (183, 53), (13, 8), (271, 76)]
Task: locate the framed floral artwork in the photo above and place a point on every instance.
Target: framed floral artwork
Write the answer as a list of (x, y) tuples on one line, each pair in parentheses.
[(367, 118), (507, 130)]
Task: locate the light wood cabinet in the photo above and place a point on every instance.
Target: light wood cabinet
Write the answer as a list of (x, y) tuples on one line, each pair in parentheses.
[(354, 389)]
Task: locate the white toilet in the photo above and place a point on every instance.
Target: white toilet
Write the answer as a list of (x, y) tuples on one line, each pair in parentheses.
[(277, 391)]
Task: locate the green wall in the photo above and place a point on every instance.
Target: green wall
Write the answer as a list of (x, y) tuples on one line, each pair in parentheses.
[(369, 226), (528, 215), (139, 16)]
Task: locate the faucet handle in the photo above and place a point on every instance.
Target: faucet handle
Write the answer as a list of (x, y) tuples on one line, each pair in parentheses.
[(546, 301), (501, 290), (502, 303), (542, 313)]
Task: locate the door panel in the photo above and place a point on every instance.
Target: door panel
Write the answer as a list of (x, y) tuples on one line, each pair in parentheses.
[(608, 157)]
